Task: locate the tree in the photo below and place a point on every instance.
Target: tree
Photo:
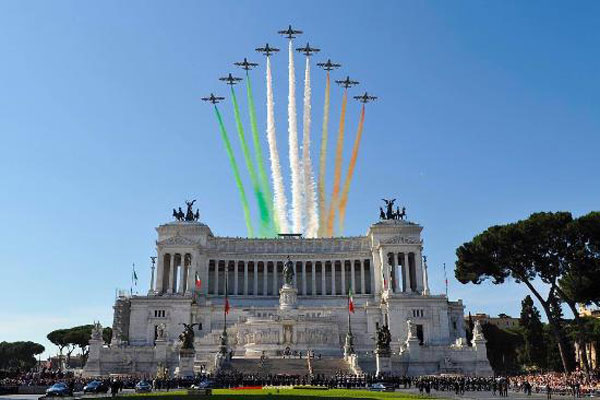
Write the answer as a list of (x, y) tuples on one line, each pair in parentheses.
[(533, 329), (530, 252), (502, 348), (79, 336), (19, 355), (107, 334), (57, 337)]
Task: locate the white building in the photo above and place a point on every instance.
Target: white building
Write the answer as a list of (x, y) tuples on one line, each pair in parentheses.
[(384, 268)]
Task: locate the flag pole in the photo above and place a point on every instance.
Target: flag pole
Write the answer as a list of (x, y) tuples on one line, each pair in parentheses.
[(446, 280)]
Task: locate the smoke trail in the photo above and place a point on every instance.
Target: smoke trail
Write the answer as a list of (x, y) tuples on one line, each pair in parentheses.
[(312, 217), (338, 167), (236, 173), (293, 146), (279, 197), (262, 205), (348, 181), (262, 174), (323, 163)]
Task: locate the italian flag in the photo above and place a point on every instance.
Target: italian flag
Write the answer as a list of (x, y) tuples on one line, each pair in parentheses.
[(227, 305), (198, 282), (350, 301)]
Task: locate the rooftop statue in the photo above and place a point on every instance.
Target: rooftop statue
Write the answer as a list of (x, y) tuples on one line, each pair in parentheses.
[(389, 213), (189, 215)]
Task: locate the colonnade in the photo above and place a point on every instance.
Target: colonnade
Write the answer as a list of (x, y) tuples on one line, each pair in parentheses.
[(312, 278), (403, 271), (174, 273)]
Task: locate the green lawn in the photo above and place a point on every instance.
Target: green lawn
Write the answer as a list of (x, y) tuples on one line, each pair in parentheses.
[(289, 394)]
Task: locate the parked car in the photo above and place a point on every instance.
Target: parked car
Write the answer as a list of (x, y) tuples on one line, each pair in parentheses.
[(59, 389), (206, 384), (143, 387), (381, 387), (95, 387)]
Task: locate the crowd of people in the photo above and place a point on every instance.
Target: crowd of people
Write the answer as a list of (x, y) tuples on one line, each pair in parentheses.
[(577, 384)]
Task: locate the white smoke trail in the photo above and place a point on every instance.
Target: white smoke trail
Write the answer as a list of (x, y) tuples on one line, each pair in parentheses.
[(310, 201), (293, 147), (279, 198)]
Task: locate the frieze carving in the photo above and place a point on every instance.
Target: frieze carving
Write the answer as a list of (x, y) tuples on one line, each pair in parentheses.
[(177, 241), (278, 246), (402, 240)]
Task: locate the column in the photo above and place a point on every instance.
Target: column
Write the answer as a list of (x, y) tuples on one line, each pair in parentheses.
[(295, 278), (333, 278), (255, 280), (173, 273), (245, 278), (217, 262), (314, 278), (343, 280), (275, 288), (304, 278), (235, 278), (160, 270), (323, 281), (363, 290), (419, 270), (265, 290), (352, 272), (405, 274), (394, 273)]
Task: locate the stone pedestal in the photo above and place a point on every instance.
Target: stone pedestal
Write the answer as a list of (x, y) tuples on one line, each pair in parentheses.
[(383, 359), (288, 297), (186, 363), (349, 345)]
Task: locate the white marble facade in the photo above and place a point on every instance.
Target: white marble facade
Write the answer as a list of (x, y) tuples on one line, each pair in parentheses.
[(384, 269)]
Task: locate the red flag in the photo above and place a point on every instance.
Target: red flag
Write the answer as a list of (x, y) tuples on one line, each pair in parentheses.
[(227, 305), (350, 301), (198, 282)]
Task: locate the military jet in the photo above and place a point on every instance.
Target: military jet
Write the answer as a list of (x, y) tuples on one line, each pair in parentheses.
[(365, 98), (245, 64), (213, 99), (307, 50), (329, 66), (230, 80), (289, 32), (267, 50), (346, 83)]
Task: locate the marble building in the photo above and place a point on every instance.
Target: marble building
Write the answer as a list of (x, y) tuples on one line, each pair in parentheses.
[(384, 269)]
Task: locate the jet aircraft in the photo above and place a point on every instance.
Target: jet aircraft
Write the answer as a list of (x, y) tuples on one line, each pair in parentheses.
[(329, 66), (290, 33), (245, 64), (365, 98), (230, 80), (307, 50), (213, 99), (346, 83), (267, 50)]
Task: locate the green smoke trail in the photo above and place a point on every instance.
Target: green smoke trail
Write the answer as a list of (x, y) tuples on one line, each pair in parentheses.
[(236, 173), (262, 174), (260, 198)]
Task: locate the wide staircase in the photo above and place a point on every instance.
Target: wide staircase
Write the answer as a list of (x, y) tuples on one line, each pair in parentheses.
[(274, 366), (329, 366)]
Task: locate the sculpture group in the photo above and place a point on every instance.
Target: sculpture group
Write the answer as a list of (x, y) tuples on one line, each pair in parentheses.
[(389, 213), (189, 215)]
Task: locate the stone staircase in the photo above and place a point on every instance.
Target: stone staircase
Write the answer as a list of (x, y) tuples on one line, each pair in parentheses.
[(274, 366), (329, 366)]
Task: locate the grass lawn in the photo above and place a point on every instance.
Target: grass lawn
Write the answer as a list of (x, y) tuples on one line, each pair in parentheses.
[(291, 394)]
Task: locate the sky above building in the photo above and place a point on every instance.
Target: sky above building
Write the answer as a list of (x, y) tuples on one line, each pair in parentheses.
[(487, 112)]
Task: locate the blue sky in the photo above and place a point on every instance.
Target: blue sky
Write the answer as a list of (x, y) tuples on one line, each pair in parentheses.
[(488, 111)]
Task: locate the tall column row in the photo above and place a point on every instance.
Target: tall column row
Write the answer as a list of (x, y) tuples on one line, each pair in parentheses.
[(402, 269), (173, 275), (264, 278)]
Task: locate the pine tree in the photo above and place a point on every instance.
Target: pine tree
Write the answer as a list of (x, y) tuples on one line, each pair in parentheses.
[(531, 323)]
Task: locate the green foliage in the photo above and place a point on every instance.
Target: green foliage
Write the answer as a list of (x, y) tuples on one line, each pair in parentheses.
[(502, 348), (548, 252), (19, 355), (107, 334), (534, 350)]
